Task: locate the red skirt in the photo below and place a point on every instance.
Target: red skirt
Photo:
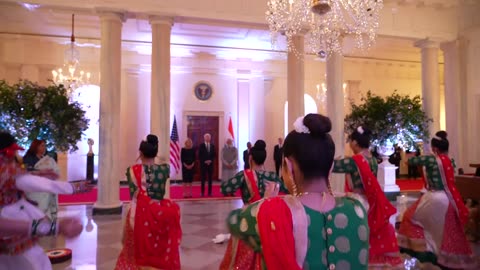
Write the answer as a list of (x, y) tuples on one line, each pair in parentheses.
[(240, 256), (155, 239), (453, 249)]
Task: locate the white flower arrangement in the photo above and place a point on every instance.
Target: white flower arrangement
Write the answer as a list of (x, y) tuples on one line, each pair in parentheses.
[(299, 126), (360, 130)]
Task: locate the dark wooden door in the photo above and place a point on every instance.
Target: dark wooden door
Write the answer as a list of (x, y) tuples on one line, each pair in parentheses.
[(197, 126)]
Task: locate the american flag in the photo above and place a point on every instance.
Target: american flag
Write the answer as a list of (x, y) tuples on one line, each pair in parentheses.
[(174, 148)]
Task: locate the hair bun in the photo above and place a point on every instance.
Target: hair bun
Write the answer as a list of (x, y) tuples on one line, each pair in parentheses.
[(260, 145), (152, 139), (318, 124), (366, 131), (6, 139), (442, 134)]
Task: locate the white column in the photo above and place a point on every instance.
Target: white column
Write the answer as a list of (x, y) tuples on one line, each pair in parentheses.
[(160, 91), (131, 117), (110, 83), (243, 107), (430, 83), (295, 81), (257, 109), (451, 52), (335, 111)]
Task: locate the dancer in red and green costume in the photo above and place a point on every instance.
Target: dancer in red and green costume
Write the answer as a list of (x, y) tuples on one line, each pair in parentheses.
[(152, 231), (311, 229), (254, 184), (361, 181), (22, 223), (437, 238)]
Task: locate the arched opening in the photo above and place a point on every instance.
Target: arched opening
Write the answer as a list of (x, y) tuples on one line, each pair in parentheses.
[(89, 98), (309, 107)]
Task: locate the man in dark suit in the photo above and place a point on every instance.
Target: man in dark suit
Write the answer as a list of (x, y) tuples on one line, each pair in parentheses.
[(206, 154), (277, 155), (246, 153)]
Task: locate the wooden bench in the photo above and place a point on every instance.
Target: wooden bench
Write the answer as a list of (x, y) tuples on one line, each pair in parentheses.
[(469, 188)]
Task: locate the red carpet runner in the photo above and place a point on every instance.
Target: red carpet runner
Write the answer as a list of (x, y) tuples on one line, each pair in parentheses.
[(176, 193)]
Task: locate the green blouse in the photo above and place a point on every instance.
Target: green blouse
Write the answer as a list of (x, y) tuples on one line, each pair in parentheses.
[(431, 167), (156, 177), (238, 182), (337, 239), (348, 165)]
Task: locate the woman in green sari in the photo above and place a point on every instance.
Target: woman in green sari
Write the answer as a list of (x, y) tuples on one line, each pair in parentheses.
[(254, 183), (311, 229)]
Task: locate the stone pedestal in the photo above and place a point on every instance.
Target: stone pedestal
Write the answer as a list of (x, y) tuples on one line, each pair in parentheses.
[(386, 176)]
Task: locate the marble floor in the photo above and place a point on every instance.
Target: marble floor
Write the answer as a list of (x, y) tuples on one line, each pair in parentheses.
[(99, 244)]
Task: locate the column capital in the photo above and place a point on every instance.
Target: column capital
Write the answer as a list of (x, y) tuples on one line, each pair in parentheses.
[(159, 19), (448, 45), (133, 71), (428, 43), (111, 14)]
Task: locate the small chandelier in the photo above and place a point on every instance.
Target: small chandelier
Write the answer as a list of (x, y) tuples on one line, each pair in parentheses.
[(71, 79), (325, 22)]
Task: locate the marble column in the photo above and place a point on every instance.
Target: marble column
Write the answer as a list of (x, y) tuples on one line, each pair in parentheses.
[(243, 112), (430, 82), (109, 129), (132, 118), (336, 113), (295, 81), (451, 52), (160, 91)]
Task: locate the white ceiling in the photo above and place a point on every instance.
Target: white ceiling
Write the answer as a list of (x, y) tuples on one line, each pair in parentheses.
[(52, 19)]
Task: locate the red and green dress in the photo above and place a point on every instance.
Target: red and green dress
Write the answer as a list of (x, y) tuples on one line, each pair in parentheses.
[(362, 183), (289, 235), (432, 229), (252, 185), (246, 186), (152, 232), (23, 251)]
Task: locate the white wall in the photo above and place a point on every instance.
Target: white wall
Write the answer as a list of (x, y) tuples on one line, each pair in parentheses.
[(265, 82)]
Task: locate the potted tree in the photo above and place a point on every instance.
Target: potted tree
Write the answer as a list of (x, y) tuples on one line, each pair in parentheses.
[(29, 111), (395, 119)]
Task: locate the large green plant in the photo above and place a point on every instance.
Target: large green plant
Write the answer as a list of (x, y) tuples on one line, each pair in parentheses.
[(29, 111), (395, 118)]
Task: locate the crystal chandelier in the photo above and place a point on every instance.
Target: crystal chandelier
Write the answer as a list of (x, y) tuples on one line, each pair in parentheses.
[(325, 23), (71, 79)]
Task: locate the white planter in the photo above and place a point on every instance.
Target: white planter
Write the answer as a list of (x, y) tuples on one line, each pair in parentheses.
[(386, 170)]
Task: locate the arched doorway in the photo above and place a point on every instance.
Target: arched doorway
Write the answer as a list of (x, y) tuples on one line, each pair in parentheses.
[(89, 98), (310, 107)]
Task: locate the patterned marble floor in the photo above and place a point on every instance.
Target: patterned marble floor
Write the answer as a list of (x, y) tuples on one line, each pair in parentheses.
[(99, 244)]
